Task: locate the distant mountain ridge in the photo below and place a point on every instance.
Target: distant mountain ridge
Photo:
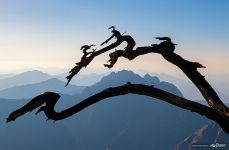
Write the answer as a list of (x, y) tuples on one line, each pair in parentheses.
[(36, 76), (32, 90), (28, 77), (188, 90)]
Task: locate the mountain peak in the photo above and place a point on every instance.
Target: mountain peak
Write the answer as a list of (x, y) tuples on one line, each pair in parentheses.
[(147, 75), (36, 72), (125, 72), (151, 80), (121, 77), (28, 77)]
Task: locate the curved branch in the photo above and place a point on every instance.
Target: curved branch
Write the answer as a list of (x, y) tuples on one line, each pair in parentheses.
[(166, 49), (50, 99)]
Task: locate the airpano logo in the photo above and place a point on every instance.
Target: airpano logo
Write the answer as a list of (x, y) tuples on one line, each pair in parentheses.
[(213, 145), (218, 145)]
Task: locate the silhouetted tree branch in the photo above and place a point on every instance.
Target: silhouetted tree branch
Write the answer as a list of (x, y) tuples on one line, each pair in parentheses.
[(217, 111), (50, 99), (166, 49)]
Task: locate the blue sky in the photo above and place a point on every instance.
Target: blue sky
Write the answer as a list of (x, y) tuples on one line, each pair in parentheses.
[(49, 33)]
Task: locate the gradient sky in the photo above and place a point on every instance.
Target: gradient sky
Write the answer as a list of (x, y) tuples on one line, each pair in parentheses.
[(48, 33)]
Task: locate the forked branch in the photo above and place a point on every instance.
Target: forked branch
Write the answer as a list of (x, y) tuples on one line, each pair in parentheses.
[(87, 60)]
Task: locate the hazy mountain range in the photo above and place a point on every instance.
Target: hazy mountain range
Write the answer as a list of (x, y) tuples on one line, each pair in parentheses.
[(123, 122), (35, 76), (31, 90), (187, 88), (24, 78)]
